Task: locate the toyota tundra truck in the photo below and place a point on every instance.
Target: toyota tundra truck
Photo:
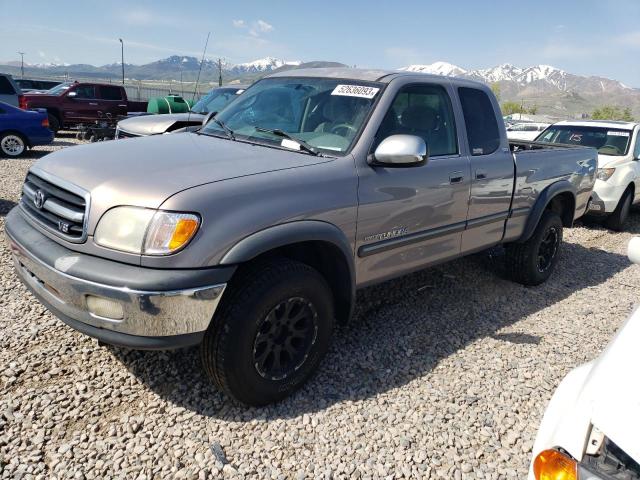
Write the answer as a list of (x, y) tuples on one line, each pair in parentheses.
[(251, 235)]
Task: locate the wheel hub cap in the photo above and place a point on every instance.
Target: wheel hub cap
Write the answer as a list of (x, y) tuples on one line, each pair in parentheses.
[(548, 249), (285, 338), (12, 145)]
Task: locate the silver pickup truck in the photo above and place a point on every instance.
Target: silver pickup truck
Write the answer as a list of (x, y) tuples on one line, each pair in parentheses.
[(251, 236)]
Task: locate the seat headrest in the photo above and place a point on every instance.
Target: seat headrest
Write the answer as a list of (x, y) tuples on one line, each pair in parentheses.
[(420, 117)]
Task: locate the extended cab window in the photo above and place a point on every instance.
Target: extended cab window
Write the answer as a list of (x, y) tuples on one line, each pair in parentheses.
[(110, 93), (5, 86), (85, 91), (425, 111), (480, 119)]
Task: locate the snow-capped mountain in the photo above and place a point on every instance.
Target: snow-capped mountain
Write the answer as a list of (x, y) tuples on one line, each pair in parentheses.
[(261, 65), (539, 77), (437, 68)]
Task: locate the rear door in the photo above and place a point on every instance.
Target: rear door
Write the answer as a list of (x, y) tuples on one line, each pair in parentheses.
[(492, 170), (112, 102), (409, 218), (8, 91)]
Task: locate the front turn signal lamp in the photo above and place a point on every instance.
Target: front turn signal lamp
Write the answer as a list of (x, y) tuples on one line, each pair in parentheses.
[(605, 174), (554, 465)]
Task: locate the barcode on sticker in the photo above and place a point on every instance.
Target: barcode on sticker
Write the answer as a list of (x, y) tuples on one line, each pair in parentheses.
[(355, 91), (614, 133)]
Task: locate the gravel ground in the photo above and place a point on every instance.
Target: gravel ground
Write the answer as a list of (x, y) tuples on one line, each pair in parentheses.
[(442, 374)]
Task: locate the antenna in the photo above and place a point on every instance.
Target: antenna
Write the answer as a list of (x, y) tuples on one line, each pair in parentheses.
[(195, 89)]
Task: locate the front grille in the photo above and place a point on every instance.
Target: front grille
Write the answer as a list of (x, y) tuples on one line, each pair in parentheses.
[(123, 134), (55, 208)]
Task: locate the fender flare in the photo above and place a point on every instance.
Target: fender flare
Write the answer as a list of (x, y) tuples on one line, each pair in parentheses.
[(291, 233), (543, 200)]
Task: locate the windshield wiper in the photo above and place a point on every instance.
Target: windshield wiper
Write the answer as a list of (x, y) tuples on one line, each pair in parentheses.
[(226, 129), (281, 133)]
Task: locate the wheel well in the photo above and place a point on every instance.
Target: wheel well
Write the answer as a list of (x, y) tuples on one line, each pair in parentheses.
[(327, 259), (564, 204), (56, 113)]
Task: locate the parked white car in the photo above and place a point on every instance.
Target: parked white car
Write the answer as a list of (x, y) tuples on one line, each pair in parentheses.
[(525, 131), (618, 179), (590, 430)]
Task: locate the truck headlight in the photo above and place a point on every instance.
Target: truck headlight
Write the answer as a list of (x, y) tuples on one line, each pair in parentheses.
[(604, 174), (145, 231)]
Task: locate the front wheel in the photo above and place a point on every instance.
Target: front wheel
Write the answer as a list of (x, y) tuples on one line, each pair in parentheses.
[(271, 332), (616, 220), (532, 262), (12, 144)]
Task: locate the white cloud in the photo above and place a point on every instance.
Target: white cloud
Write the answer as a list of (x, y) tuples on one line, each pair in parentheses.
[(631, 39), (41, 54), (239, 24), (259, 27)]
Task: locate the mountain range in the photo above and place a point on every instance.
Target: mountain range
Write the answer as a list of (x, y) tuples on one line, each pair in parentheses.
[(555, 92)]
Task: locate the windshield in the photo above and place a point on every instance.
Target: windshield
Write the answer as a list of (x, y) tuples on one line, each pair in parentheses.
[(327, 114), (608, 141), (59, 89), (216, 100)]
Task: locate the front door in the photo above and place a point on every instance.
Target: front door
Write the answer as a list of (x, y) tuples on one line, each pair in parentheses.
[(409, 218), (492, 171), (84, 106)]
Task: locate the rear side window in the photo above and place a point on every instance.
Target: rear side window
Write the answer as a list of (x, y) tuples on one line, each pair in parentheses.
[(5, 86), (636, 151), (111, 93), (480, 119)]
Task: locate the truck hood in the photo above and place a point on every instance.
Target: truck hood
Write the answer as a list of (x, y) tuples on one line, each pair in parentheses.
[(156, 124), (604, 393), (146, 171), (611, 391)]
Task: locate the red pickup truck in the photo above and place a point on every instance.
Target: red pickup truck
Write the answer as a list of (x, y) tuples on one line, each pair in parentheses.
[(70, 104)]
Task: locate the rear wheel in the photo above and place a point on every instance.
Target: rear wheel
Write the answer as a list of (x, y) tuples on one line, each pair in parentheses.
[(532, 262), (271, 332), (616, 220), (12, 144)]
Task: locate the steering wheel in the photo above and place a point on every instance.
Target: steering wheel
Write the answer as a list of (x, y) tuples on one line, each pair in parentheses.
[(346, 126)]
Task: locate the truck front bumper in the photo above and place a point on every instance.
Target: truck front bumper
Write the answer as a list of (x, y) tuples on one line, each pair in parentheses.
[(117, 303)]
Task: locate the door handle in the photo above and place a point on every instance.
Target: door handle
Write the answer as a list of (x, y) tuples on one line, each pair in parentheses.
[(481, 174), (456, 177)]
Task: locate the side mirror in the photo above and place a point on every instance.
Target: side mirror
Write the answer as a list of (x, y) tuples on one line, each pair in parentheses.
[(72, 94), (401, 151), (208, 118)]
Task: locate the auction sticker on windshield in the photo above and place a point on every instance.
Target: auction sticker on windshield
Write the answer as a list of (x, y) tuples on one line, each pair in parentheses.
[(614, 133), (355, 91)]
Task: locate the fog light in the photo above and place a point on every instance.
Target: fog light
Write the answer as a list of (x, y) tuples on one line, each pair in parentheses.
[(554, 465), (104, 307)]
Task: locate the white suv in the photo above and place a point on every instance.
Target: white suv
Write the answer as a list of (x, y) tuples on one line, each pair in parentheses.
[(618, 180)]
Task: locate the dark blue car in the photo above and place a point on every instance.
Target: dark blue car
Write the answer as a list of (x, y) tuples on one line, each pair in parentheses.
[(22, 129)]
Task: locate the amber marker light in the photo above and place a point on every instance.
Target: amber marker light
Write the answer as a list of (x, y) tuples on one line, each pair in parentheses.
[(554, 465)]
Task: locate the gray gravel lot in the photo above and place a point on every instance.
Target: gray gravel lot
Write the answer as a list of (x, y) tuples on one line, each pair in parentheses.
[(442, 374)]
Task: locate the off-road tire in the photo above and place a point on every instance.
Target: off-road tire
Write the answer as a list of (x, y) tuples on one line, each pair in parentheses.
[(616, 220), (228, 350), (522, 259)]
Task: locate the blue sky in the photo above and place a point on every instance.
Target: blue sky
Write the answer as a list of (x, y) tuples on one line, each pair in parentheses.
[(589, 37)]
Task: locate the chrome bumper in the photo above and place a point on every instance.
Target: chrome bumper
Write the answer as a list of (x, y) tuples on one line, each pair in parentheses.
[(146, 313)]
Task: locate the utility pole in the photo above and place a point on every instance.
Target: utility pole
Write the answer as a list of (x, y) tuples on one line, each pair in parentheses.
[(122, 58), (21, 63), (219, 72)]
